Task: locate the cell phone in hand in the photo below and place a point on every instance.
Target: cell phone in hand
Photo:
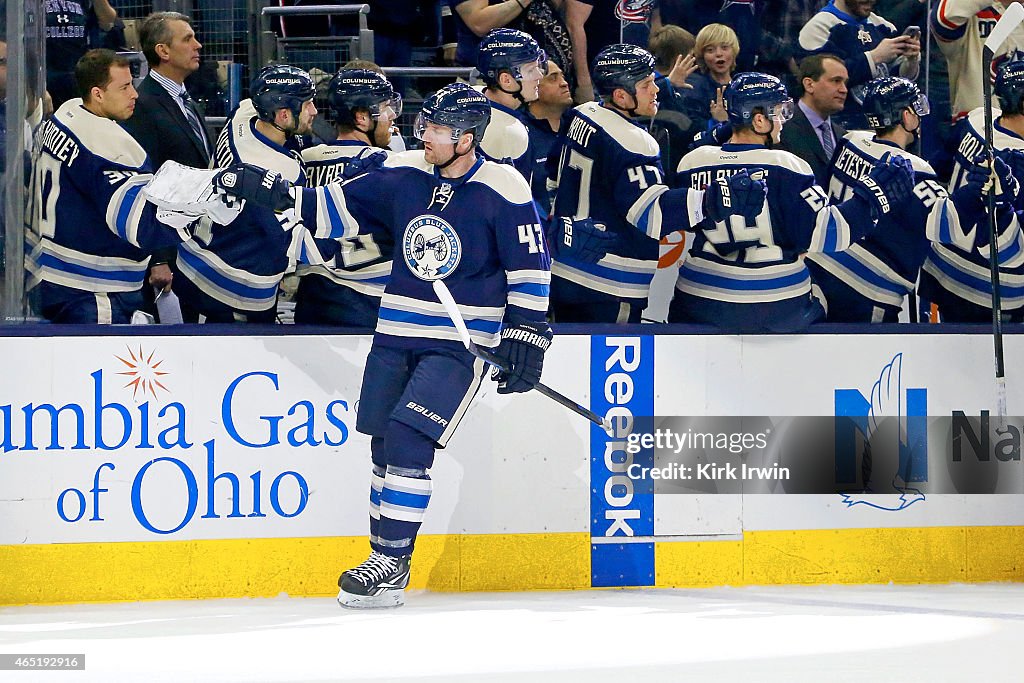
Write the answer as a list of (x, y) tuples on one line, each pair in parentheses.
[(913, 32)]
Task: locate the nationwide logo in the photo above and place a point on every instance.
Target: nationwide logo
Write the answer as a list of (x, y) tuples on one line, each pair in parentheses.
[(888, 434), (143, 372)]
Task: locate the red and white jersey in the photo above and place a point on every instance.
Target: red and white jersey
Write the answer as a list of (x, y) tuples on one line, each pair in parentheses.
[(961, 27)]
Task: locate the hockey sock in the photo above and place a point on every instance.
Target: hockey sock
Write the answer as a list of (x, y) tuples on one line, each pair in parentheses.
[(376, 484), (406, 490), (403, 503)]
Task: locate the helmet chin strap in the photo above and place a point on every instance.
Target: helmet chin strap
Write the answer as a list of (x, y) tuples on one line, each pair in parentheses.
[(769, 142), (455, 155), (371, 135), (914, 134), (287, 133), (518, 94)]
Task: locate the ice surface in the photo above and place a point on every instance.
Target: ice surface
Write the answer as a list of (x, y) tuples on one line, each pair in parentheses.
[(761, 635)]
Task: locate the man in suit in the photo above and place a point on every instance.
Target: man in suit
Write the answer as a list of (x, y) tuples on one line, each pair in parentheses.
[(811, 134), (166, 121)]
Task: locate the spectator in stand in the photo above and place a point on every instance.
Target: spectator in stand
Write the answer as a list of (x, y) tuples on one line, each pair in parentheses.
[(67, 27), (811, 134), (674, 128), (596, 24), (716, 50), (474, 19), (166, 122), (961, 27), (867, 43), (672, 47)]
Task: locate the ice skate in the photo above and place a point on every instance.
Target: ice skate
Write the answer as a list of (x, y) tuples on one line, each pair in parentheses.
[(378, 582)]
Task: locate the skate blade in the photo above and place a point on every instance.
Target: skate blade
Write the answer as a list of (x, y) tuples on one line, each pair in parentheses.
[(387, 600)]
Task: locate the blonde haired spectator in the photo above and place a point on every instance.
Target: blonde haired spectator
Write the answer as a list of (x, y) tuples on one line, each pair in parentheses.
[(716, 50)]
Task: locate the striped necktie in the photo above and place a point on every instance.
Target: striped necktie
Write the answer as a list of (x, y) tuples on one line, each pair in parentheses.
[(193, 119), (826, 139)]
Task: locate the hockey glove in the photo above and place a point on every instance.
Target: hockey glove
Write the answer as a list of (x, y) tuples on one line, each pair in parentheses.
[(740, 194), (715, 137), (257, 185), (522, 348), (580, 240), (361, 164), (1006, 188), (889, 183)]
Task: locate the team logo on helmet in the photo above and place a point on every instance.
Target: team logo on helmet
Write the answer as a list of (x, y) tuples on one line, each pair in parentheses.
[(431, 248)]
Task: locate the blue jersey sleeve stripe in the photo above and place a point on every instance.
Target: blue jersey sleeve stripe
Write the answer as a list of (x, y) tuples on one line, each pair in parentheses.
[(52, 261), (531, 289), (225, 282)]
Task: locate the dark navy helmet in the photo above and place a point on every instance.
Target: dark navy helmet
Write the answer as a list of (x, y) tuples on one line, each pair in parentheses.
[(620, 66), (749, 93), (506, 49), (885, 99), (1009, 87), (280, 86), (352, 89), (457, 106)]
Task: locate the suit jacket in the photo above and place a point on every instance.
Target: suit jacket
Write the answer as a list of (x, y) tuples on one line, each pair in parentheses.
[(802, 140), (160, 126)]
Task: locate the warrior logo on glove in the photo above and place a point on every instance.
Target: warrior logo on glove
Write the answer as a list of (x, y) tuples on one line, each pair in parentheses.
[(229, 180), (431, 248)]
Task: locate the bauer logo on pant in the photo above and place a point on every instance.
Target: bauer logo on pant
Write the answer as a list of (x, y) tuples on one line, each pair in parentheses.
[(431, 248)]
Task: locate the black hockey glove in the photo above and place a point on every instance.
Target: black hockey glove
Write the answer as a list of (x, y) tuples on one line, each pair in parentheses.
[(257, 185), (582, 240), (522, 348), (361, 164), (741, 194), (889, 183)]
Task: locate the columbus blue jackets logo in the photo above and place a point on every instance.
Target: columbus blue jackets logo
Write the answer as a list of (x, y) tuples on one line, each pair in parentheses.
[(431, 248)]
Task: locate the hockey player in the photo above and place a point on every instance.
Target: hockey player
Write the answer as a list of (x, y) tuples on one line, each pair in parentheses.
[(456, 217), (511, 64), (232, 274), (608, 173), (347, 290), (961, 27), (749, 275), (868, 281), (96, 230), (958, 279), (867, 44)]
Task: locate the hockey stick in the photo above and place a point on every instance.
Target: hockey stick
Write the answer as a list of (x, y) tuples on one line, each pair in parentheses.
[(452, 309), (1011, 19)]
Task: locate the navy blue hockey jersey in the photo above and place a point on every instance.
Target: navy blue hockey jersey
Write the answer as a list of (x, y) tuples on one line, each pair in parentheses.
[(480, 233), (759, 261), (883, 266), (964, 272), (93, 229), (607, 168)]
